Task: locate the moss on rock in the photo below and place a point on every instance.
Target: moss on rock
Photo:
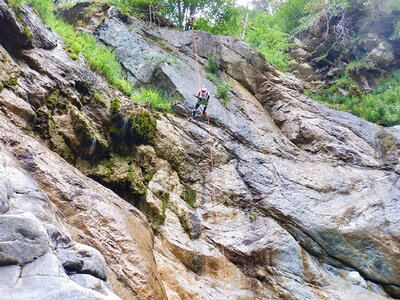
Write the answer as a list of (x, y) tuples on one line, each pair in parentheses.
[(92, 143), (128, 131), (145, 128)]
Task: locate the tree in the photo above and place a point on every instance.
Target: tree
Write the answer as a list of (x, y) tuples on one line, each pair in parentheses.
[(176, 10), (179, 10), (267, 37), (228, 22), (266, 5)]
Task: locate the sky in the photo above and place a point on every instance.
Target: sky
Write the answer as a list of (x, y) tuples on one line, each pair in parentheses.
[(242, 2)]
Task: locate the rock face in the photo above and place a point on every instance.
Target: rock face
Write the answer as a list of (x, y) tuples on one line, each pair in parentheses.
[(307, 198), (362, 35), (30, 234)]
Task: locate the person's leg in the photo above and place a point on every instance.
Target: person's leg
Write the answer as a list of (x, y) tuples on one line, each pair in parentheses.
[(195, 109), (206, 105), (205, 108)]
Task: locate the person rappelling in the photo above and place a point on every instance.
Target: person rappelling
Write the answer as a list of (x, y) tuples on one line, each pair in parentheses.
[(202, 99), (189, 24)]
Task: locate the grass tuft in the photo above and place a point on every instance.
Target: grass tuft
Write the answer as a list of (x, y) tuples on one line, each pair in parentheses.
[(154, 98)]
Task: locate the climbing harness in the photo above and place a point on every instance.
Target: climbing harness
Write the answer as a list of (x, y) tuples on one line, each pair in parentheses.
[(213, 196)]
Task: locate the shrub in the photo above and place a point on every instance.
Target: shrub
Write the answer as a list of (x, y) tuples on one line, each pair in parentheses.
[(222, 92), (222, 88), (381, 105), (212, 65)]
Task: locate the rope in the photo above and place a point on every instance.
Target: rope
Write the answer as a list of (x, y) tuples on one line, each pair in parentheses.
[(213, 197), (197, 60)]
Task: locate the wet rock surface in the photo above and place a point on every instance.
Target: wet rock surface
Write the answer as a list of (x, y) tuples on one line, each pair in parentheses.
[(306, 198)]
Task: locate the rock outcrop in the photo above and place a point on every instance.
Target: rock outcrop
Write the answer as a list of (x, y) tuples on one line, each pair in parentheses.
[(306, 197), (360, 41)]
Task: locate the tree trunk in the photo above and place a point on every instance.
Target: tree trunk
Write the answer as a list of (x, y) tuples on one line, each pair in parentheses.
[(150, 14), (245, 21)]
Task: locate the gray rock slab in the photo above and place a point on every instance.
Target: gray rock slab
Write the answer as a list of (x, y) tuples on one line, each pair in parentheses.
[(93, 283), (138, 57), (22, 239), (46, 265), (50, 288), (9, 276)]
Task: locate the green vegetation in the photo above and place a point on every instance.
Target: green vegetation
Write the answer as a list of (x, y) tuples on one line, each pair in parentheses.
[(222, 88), (356, 65), (184, 224), (137, 129), (97, 55), (252, 217), (115, 107), (393, 4), (12, 81), (98, 97), (190, 196), (269, 39), (156, 219), (212, 65), (222, 92), (154, 98), (380, 105), (267, 33), (270, 25), (176, 10)]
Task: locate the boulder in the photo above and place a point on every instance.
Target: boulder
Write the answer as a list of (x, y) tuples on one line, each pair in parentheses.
[(370, 42), (83, 259), (312, 44), (299, 54), (46, 265), (76, 13), (22, 239), (304, 71), (382, 56)]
